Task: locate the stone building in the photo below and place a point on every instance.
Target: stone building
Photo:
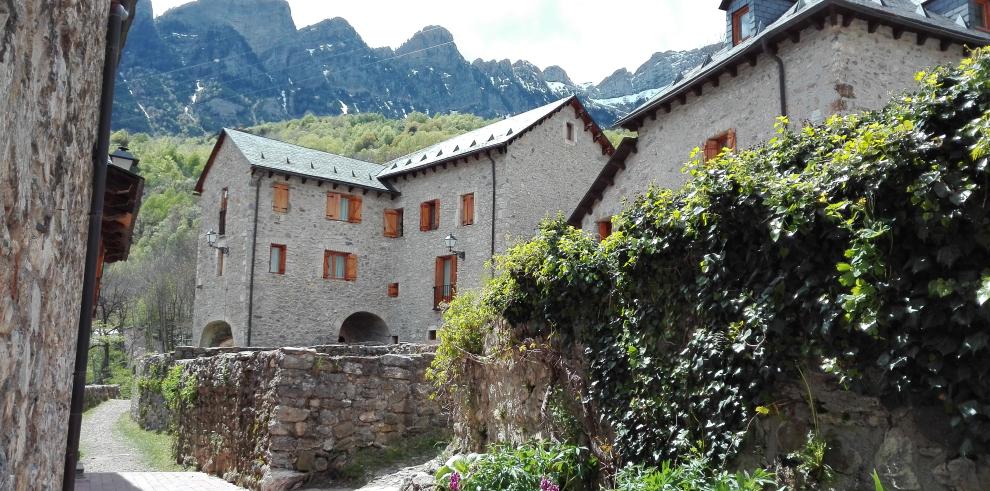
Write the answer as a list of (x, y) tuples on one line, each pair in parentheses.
[(310, 248), (52, 83), (806, 59)]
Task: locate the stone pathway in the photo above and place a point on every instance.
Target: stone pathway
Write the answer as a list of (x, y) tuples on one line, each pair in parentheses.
[(112, 464)]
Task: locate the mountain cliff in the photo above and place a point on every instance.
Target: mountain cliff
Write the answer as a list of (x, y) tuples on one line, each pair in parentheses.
[(214, 63)]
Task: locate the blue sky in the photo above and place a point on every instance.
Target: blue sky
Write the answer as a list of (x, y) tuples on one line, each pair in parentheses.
[(589, 38)]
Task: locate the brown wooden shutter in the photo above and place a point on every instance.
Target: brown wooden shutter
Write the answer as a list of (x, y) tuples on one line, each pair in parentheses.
[(333, 206), (424, 216), (604, 229), (280, 197), (354, 210), (438, 277), (730, 139), (393, 289), (391, 223), (711, 149), (350, 268), (453, 274), (326, 264), (436, 214), (467, 209)]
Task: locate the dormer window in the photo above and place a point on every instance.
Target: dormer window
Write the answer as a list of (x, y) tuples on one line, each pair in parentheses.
[(742, 24), (981, 14)]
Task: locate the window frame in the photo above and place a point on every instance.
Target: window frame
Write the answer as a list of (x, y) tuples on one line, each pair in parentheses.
[(984, 23), (277, 188), (281, 259), (570, 132), (353, 207), (222, 219), (737, 18), (433, 220), (467, 211), (399, 229), (330, 273), (442, 294), (393, 290)]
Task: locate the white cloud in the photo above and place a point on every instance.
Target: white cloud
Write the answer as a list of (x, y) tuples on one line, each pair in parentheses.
[(589, 38)]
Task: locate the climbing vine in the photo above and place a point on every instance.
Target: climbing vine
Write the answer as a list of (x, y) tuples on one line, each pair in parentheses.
[(861, 245)]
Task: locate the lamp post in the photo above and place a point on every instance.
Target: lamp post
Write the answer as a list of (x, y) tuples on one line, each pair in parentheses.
[(211, 240), (450, 241)]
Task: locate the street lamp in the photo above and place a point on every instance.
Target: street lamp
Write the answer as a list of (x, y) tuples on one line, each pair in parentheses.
[(211, 240), (450, 241), (123, 159)]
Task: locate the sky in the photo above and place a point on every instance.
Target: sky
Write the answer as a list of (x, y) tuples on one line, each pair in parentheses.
[(590, 39)]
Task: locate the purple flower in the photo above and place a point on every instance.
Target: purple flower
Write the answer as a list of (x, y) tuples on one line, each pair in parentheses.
[(455, 481), (547, 485)]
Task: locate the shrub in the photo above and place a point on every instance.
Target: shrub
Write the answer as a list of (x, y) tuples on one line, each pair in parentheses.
[(531, 467), (692, 475), (861, 243), (465, 324)]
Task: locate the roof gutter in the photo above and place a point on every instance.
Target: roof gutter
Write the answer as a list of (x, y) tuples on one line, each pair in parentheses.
[(117, 15)]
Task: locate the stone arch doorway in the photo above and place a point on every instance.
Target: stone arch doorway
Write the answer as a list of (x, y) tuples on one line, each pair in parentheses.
[(216, 334), (364, 327)]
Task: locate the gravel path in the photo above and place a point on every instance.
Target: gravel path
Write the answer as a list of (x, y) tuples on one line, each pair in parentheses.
[(104, 448)]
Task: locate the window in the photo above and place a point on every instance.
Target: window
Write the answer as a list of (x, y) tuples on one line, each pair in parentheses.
[(280, 197), (276, 259), (220, 255), (569, 131), (445, 284), (393, 290), (742, 25), (222, 226), (715, 145), (395, 339), (339, 266), (429, 215), (604, 229), (344, 207), (467, 209), (393, 223), (981, 14), (433, 335)]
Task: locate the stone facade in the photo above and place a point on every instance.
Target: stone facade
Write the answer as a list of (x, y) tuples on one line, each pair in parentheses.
[(51, 61), (835, 70), (539, 174), (299, 410)]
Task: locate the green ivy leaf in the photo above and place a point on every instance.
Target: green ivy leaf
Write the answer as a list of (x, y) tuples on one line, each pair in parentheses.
[(983, 293)]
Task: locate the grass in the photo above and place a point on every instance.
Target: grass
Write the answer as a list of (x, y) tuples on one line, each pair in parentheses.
[(155, 448)]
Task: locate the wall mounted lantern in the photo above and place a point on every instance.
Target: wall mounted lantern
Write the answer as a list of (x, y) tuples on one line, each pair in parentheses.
[(123, 159), (450, 241), (211, 240)]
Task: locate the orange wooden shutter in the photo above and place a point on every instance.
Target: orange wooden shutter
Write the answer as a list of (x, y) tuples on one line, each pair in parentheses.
[(467, 209), (438, 278), (424, 216), (354, 210), (711, 149), (436, 214), (333, 206), (604, 229), (730, 139), (393, 289), (280, 198), (453, 273), (326, 264), (350, 269), (391, 223)]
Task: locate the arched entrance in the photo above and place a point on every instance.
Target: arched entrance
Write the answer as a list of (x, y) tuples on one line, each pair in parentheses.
[(216, 334), (364, 327)]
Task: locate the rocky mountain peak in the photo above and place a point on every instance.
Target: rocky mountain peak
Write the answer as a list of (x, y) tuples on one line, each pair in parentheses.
[(557, 74), (260, 22)]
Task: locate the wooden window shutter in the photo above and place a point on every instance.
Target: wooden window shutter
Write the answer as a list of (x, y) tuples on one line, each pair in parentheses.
[(453, 272), (354, 210), (438, 277), (326, 264), (280, 197), (424, 216), (351, 267), (711, 149), (436, 214), (604, 229), (222, 225), (333, 206), (393, 290), (391, 223), (467, 209), (730, 139)]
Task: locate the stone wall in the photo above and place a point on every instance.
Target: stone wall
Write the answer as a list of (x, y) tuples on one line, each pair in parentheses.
[(51, 61), (265, 419), (911, 446), (98, 394), (836, 70)]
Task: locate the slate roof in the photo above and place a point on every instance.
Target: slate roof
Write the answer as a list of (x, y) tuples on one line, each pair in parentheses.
[(488, 137), (301, 161), (905, 13)]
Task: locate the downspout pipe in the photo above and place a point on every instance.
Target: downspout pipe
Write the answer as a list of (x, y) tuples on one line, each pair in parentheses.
[(491, 257), (99, 163), (781, 76), (254, 252)]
